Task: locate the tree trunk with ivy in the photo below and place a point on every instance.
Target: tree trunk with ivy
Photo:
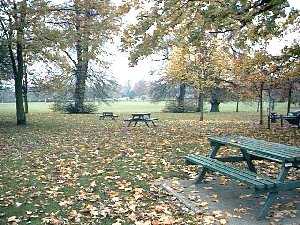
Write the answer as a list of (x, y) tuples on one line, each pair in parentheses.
[(215, 100), (80, 85), (81, 69), (180, 99)]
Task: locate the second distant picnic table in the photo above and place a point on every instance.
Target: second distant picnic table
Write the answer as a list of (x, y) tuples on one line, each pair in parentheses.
[(141, 117), (293, 118)]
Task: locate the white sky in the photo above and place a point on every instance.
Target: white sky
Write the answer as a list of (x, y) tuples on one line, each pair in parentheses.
[(124, 73)]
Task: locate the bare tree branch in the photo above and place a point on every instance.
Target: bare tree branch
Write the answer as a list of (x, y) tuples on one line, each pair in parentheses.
[(69, 56)]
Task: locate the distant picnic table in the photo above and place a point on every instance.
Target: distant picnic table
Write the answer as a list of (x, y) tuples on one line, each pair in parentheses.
[(108, 115), (251, 149), (141, 117)]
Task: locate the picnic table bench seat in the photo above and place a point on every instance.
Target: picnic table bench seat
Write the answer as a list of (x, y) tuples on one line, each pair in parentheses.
[(138, 120), (260, 183), (152, 119)]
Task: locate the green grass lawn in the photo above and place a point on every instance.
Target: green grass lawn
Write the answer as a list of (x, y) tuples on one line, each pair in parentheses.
[(126, 106), (146, 106), (75, 169)]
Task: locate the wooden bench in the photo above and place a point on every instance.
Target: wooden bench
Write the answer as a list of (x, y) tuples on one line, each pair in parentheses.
[(136, 120), (251, 149), (152, 120), (259, 183), (108, 115)]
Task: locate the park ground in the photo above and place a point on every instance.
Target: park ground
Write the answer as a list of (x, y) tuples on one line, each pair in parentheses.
[(75, 169)]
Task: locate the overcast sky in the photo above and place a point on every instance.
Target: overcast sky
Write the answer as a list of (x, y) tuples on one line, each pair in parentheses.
[(124, 73)]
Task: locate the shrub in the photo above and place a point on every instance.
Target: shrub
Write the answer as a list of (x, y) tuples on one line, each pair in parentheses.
[(69, 107), (57, 107), (173, 107)]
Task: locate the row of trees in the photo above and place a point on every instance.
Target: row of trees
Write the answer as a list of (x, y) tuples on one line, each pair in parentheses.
[(55, 91), (208, 45), (216, 45), (68, 37), (220, 68)]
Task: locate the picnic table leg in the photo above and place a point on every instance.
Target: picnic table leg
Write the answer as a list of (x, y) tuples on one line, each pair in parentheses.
[(270, 199), (272, 195), (153, 123), (135, 123), (129, 123), (283, 172), (203, 170), (248, 160), (146, 123)]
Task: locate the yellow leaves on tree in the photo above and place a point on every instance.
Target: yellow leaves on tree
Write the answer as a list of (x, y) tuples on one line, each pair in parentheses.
[(202, 67), (257, 68), (177, 69)]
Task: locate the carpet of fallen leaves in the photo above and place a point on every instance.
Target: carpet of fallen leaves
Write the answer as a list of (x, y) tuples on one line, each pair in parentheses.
[(75, 169)]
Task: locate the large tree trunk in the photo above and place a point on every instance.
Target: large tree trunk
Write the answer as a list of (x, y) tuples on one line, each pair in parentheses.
[(289, 97), (18, 63), (200, 107), (215, 100), (180, 99), (20, 112), (261, 121), (21, 117)]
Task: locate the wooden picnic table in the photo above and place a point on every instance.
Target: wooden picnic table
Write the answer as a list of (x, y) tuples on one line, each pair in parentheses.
[(251, 149), (108, 115), (141, 117), (293, 118)]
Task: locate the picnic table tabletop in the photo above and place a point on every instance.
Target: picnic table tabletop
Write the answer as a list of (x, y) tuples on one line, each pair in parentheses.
[(290, 116), (261, 148), (140, 114)]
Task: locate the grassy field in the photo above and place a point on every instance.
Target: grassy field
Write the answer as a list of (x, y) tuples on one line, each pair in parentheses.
[(75, 169), (146, 106)]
